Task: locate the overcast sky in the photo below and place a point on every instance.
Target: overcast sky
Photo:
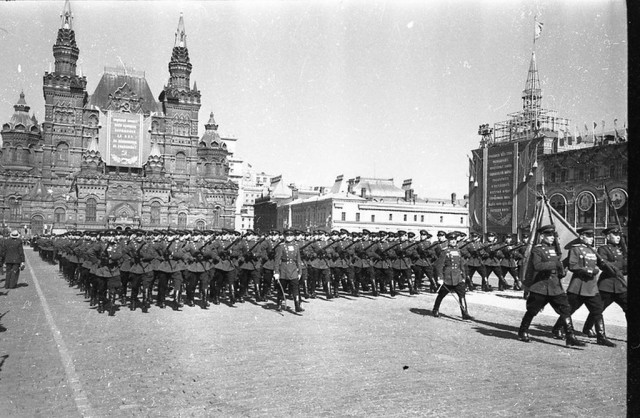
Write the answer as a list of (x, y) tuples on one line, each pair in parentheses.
[(314, 89)]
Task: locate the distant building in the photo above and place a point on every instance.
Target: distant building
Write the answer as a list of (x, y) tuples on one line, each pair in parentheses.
[(278, 193), (117, 157), (534, 152), (373, 204)]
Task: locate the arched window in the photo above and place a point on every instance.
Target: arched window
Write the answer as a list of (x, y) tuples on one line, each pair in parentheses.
[(155, 213), (62, 154), (37, 225), (200, 225), (90, 212), (182, 220), (586, 208), (558, 202), (181, 162), (15, 208), (216, 217), (59, 215)]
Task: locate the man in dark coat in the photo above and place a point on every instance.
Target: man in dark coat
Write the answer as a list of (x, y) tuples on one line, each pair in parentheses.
[(545, 287), (12, 255)]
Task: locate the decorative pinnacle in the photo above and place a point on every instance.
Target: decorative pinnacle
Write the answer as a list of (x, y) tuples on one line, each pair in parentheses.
[(66, 16), (181, 34)]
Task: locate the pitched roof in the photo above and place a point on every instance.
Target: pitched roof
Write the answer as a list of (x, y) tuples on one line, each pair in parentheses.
[(112, 81)]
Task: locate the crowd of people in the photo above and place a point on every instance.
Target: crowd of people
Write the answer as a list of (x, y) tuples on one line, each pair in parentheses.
[(177, 267)]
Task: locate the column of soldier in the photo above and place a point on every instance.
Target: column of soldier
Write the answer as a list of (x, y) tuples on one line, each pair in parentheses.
[(199, 267), (228, 266)]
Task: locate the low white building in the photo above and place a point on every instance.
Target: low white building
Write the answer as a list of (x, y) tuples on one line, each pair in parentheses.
[(376, 205)]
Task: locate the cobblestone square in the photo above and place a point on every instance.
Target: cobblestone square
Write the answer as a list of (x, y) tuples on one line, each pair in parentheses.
[(348, 357)]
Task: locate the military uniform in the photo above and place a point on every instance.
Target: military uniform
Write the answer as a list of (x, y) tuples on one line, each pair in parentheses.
[(450, 276), (612, 283), (545, 287), (287, 265), (12, 255), (583, 288)]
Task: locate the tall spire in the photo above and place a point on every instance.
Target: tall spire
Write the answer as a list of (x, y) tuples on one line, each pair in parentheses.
[(65, 50), (180, 66), (66, 17), (181, 34), (532, 93)]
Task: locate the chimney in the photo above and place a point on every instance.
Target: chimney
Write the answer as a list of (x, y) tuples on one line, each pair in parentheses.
[(453, 199)]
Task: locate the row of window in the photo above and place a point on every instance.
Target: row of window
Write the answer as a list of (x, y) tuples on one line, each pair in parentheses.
[(581, 174), (15, 212), (405, 218)]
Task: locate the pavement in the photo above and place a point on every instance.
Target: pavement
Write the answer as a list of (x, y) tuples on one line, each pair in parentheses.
[(352, 356)]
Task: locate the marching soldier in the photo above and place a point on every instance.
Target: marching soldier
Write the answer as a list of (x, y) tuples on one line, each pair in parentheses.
[(287, 265), (141, 255), (492, 261), (320, 263), (509, 261), (583, 288), (450, 276), (401, 257), (106, 257), (421, 265), (229, 253), (612, 282), (545, 287), (382, 264), (476, 253), (269, 252), (250, 266), (196, 271)]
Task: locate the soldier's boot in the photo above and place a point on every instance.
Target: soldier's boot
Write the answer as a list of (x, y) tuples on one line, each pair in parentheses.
[(123, 296), (470, 286), (327, 290), (516, 284), (296, 302), (374, 287), (177, 299), (433, 286), (204, 302), (216, 295), (558, 330), (100, 305), (436, 306), (486, 287), (392, 287), (256, 292), (149, 296), (279, 303), (232, 294), (112, 302), (145, 301), (523, 332), (134, 299), (464, 309), (503, 284), (571, 339), (189, 292), (161, 296), (587, 329), (602, 337)]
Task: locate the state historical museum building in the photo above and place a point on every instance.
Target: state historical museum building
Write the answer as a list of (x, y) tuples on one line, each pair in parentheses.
[(117, 157)]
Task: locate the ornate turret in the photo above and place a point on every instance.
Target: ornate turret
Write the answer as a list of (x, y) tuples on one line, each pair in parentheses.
[(91, 158), (21, 138), (179, 66), (212, 152), (21, 121), (65, 50), (155, 162)]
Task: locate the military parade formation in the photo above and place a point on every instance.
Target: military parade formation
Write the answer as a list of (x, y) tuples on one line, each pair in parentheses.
[(139, 268), (117, 268)]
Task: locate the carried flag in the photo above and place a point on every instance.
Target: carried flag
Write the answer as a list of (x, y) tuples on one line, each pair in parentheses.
[(565, 236)]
